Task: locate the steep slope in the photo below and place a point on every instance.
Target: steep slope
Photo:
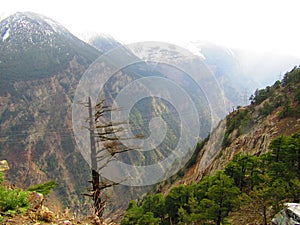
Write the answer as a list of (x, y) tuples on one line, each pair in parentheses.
[(274, 111), (104, 43), (33, 46), (240, 72), (225, 64), (40, 66)]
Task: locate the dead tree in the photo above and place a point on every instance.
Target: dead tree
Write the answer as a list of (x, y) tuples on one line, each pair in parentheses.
[(104, 131)]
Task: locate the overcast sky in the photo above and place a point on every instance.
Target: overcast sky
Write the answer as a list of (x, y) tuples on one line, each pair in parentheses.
[(258, 25)]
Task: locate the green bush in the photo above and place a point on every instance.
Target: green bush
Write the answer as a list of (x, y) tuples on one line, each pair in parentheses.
[(13, 201), (297, 96), (240, 120), (1, 178), (43, 188), (267, 109), (287, 110)]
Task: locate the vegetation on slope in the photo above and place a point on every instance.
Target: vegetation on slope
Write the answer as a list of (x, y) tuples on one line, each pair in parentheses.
[(12, 201), (18, 206), (45, 188), (283, 96), (251, 188)]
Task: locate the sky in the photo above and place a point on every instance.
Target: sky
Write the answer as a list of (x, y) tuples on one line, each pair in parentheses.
[(256, 25)]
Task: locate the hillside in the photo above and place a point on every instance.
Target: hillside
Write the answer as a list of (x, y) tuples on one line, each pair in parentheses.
[(41, 63), (274, 111), (243, 173)]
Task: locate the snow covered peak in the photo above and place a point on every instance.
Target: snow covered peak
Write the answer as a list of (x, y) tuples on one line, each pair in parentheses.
[(36, 46), (26, 18), (29, 27)]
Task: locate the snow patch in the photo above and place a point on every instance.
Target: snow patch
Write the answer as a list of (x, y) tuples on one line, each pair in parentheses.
[(54, 26), (5, 35), (195, 49), (229, 52)]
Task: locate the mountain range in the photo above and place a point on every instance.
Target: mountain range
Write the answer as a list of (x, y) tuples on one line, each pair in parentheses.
[(41, 64)]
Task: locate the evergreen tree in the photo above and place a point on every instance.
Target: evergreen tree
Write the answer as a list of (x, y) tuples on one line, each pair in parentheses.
[(133, 214), (155, 204), (222, 197), (148, 219)]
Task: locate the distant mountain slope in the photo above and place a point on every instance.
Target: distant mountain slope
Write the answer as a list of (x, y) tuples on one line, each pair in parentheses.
[(40, 66), (241, 72), (104, 43), (33, 46)]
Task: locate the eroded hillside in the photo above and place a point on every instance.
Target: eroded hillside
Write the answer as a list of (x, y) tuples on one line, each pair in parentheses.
[(273, 111)]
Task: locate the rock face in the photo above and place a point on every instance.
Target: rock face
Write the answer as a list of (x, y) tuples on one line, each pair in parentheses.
[(251, 131), (41, 64)]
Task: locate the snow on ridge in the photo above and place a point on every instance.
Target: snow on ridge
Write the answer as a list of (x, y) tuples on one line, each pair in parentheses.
[(6, 34), (52, 24), (195, 48), (229, 51), (20, 17)]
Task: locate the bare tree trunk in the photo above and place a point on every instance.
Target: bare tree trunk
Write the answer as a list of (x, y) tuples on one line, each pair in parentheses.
[(106, 133), (265, 215), (96, 192)]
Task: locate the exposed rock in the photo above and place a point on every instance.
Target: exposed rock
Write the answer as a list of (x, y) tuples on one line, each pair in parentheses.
[(3, 165), (247, 138), (36, 201), (44, 214), (66, 222), (290, 215)]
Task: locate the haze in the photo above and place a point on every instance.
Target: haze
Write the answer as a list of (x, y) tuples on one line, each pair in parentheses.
[(262, 26)]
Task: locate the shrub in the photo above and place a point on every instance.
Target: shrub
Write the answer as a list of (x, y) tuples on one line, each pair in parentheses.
[(1, 178), (13, 201), (267, 109), (43, 188)]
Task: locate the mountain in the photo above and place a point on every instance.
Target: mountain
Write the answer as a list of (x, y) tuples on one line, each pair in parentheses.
[(241, 72), (41, 63), (225, 63), (245, 172), (103, 43), (37, 47), (274, 111)]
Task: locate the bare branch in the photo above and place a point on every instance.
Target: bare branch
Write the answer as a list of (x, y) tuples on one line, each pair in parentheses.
[(104, 131)]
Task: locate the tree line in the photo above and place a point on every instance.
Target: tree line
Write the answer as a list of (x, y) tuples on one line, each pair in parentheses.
[(250, 188)]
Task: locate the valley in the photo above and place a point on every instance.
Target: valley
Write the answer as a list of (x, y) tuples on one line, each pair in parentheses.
[(41, 66)]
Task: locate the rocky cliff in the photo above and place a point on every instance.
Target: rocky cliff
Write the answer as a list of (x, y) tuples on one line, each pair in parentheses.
[(274, 111)]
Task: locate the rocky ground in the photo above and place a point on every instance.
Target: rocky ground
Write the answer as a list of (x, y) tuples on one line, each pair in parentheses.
[(39, 213)]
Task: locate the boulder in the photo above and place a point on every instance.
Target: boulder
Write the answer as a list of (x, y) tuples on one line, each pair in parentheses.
[(3, 165), (290, 215)]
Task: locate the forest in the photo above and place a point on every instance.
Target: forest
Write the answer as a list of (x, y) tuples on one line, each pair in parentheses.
[(250, 186)]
